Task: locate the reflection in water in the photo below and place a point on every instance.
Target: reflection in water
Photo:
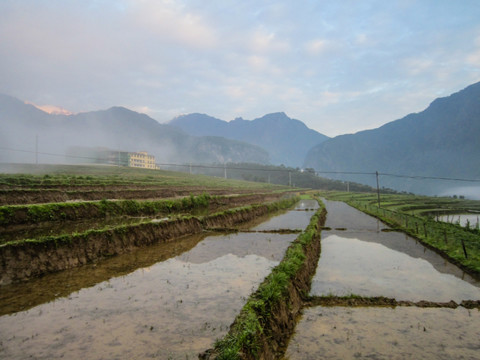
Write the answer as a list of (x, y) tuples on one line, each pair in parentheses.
[(351, 266), (473, 220), (295, 219), (171, 307), (364, 260), (383, 333), (25, 295)]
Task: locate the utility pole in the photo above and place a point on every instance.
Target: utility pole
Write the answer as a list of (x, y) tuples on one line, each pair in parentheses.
[(36, 149), (290, 178), (378, 189), (225, 171)]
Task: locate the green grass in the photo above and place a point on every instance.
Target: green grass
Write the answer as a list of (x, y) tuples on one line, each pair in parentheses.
[(193, 202), (103, 208), (51, 176)]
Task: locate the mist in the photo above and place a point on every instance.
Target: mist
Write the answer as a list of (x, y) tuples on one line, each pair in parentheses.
[(30, 135)]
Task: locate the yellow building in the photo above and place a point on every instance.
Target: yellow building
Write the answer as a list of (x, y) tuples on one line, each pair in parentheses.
[(141, 159)]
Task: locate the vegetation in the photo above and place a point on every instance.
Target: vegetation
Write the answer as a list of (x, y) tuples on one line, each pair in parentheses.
[(244, 337), (416, 215), (134, 206), (51, 176), (98, 209), (279, 175)]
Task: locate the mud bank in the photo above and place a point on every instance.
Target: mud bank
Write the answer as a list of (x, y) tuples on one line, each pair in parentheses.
[(267, 321), (76, 211), (39, 196), (23, 260), (380, 301)]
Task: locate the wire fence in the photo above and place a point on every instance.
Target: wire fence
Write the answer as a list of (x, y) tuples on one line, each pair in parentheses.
[(451, 238)]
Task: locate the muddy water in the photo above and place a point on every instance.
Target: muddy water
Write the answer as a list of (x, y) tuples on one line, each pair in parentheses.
[(164, 305), (364, 260), (384, 333), (298, 218)]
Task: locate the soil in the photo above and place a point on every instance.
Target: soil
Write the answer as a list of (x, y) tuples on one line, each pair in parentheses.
[(89, 210), (31, 259), (385, 302), (59, 194)]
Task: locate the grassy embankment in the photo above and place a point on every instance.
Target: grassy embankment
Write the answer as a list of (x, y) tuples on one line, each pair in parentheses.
[(252, 330), (416, 216), (25, 214), (184, 204)]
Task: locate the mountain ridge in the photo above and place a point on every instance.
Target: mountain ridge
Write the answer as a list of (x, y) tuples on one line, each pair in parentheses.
[(440, 141), (287, 140), (118, 128)]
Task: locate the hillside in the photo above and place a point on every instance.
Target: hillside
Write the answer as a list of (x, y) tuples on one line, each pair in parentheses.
[(116, 128), (287, 140), (441, 141)]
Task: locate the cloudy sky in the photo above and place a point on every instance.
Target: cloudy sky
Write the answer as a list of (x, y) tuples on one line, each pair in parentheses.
[(339, 66)]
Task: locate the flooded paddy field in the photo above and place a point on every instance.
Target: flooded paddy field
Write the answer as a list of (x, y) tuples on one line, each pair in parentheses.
[(472, 220), (361, 257), (386, 333), (164, 301)]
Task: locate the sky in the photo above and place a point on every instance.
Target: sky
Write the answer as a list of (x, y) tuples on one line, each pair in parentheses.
[(339, 66)]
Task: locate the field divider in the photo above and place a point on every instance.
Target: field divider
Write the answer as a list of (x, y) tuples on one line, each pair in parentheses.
[(21, 260), (83, 210), (381, 301), (267, 320)]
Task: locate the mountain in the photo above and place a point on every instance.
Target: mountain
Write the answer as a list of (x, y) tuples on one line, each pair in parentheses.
[(441, 141), (287, 140), (23, 125)]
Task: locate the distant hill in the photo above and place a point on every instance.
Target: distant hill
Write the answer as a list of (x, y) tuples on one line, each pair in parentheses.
[(287, 140), (116, 128), (441, 141)]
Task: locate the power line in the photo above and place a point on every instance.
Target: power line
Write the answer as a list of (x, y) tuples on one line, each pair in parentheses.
[(223, 167)]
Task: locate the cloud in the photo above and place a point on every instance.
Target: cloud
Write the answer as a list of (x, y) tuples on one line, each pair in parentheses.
[(171, 22), (338, 67), (317, 46)]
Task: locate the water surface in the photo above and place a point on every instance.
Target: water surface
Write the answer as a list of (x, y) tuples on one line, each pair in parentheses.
[(385, 333), (167, 301)]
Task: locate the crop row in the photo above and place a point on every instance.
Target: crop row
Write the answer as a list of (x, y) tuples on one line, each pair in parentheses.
[(51, 176)]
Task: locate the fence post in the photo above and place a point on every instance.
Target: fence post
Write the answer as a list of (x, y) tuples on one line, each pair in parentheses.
[(464, 249), (378, 189)]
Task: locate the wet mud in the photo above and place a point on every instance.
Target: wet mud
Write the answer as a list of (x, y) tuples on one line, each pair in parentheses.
[(91, 193), (385, 333)]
